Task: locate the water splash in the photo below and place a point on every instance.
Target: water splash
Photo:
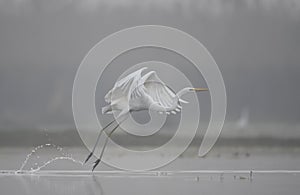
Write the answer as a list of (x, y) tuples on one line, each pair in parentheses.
[(55, 159), (65, 156)]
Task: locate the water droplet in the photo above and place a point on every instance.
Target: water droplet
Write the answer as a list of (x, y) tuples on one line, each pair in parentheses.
[(64, 156)]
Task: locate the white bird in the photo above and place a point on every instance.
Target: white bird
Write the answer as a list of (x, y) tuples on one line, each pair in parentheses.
[(135, 93)]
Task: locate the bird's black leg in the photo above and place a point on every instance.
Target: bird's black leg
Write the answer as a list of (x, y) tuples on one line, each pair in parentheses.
[(102, 151), (91, 154)]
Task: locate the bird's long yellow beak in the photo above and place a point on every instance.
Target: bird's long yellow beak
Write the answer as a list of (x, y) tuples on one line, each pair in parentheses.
[(200, 89)]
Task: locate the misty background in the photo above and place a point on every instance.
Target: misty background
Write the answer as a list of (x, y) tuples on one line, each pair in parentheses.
[(255, 43)]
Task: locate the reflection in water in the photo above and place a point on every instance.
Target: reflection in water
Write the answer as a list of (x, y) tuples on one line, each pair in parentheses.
[(34, 184), (210, 182), (97, 184)]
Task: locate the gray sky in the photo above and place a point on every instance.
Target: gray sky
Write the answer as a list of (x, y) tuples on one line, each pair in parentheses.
[(256, 44)]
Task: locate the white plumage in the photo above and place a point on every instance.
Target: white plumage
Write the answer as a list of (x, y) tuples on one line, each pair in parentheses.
[(141, 92)]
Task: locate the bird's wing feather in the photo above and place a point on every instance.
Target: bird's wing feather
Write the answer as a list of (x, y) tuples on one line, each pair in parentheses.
[(124, 87), (157, 90)]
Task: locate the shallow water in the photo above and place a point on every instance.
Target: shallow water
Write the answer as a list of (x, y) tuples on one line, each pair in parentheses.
[(226, 170), (112, 182)]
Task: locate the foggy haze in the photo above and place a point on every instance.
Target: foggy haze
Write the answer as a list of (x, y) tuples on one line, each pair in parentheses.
[(256, 45)]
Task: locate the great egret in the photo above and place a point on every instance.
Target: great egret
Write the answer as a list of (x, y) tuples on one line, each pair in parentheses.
[(136, 92)]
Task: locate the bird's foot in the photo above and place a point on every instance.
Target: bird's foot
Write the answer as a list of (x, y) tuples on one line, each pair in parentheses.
[(96, 163), (89, 156)]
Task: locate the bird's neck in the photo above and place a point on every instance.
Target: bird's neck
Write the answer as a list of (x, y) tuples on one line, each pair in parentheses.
[(182, 92)]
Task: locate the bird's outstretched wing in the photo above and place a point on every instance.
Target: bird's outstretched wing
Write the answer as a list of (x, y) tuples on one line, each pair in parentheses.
[(159, 91), (124, 87)]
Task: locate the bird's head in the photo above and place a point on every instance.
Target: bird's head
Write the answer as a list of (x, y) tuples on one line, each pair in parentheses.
[(190, 89)]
